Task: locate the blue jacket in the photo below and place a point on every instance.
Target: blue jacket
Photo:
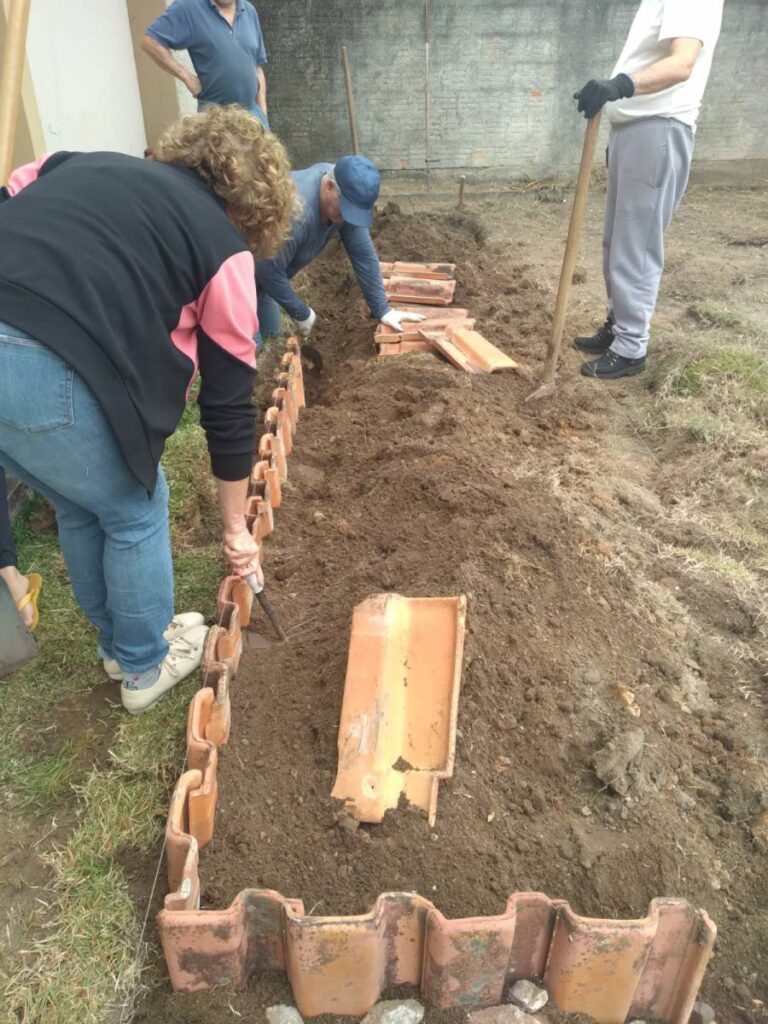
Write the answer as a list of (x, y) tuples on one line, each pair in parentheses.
[(309, 236)]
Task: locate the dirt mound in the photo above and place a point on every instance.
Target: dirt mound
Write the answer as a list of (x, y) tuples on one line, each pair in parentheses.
[(409, 476)]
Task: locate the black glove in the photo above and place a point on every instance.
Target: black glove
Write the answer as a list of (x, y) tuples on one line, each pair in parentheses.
[(599, 91)]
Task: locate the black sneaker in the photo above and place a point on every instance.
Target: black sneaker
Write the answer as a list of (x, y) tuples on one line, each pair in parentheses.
[(611, 366), (597, 343)]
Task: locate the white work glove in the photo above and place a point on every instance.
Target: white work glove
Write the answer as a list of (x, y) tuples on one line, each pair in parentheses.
[(304, 327), (394, 318)]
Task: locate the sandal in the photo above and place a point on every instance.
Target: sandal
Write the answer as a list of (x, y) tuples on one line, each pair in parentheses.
[(35, 581)]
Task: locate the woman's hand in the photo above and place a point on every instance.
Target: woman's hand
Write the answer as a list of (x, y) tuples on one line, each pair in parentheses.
[(242, 553)]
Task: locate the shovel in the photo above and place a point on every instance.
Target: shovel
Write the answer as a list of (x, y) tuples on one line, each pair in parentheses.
[(16, 644), (547, 386)]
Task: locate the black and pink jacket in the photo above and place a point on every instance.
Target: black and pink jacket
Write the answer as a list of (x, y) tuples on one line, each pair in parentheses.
[(131, 271)]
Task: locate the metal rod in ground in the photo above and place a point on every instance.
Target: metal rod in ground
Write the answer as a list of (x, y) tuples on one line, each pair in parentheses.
[(462, 183), (350, 100), (271, 615)]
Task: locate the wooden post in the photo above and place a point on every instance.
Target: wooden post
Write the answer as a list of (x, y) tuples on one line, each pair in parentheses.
[(11, 73), (350, 100)]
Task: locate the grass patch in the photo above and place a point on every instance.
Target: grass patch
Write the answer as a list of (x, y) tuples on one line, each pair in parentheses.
[(743, 367), (712, 385), (710, 315), (84, 961), (41, 782)]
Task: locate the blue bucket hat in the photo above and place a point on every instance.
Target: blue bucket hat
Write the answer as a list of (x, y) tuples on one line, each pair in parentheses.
[(359, 182)]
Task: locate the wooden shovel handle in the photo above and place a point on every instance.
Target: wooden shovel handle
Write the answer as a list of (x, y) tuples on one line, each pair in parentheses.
[(571, 248)]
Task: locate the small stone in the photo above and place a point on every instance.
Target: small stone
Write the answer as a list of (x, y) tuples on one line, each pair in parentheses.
[(684, 801), (503, 1015), (702, 1014), (528, 997), (347, 822), (284, 1015), (395, 1011), (586, 811), (531, 609), (614, 762)]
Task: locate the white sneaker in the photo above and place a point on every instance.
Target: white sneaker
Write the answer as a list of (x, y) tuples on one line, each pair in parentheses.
[(183, 658), (180, 624)]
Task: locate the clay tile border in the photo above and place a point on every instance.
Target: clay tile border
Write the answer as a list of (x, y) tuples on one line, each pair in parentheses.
[(609, 970)]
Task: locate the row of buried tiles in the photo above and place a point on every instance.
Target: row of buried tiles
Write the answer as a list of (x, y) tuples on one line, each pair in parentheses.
[(610, 970)]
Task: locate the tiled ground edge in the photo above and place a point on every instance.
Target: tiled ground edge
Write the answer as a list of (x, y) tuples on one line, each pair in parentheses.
[(609, 969)]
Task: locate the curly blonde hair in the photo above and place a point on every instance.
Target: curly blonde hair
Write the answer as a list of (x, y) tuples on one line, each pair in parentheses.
[(245, 165)]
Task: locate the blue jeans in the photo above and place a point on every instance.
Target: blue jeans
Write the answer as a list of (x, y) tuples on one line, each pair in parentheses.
[(114, 536), (269, 318)]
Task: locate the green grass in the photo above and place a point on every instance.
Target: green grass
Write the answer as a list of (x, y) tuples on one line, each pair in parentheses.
[(42, 782), (712, 383), (85, 959), (745, 367)]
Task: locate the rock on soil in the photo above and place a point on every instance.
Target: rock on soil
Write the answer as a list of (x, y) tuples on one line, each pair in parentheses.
[(702, 1014), (613, 763), (284, 1015), (528, 997), (395, 1011)]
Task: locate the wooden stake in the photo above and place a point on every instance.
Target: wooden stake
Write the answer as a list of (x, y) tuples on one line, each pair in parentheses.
[(11, 74), (350, 100)]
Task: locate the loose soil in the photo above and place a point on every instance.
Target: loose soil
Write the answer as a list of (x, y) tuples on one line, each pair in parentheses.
[(411, 477)]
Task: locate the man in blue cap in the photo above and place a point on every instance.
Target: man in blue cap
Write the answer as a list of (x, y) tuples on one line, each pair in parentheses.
[(337, 200), (224, 41)]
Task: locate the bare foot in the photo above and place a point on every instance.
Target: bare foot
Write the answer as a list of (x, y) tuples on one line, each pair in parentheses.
[(18, 586)]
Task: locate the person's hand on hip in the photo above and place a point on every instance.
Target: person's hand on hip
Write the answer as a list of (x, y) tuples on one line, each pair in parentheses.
[(192, 83)]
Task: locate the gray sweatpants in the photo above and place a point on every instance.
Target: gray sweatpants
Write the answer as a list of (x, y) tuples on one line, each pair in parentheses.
[(648, 166)]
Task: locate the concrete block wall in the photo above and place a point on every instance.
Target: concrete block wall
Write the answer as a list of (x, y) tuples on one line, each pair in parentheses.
[(502, 76)]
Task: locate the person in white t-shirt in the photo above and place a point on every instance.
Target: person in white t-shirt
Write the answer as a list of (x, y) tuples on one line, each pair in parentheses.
[(653, 102)]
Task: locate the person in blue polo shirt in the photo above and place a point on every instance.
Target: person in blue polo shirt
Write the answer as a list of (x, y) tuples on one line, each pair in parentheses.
[(225, 44), (336, 200)]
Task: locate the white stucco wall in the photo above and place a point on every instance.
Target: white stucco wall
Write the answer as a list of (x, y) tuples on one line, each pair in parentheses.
[(84, 73)]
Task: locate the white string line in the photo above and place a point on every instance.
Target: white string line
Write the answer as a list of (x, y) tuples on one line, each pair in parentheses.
[(153, 889)]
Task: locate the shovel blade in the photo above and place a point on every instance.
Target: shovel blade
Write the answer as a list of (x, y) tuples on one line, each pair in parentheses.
[(16, 644)]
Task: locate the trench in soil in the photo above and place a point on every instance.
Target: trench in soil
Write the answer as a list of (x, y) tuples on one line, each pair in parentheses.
[(408, 476)]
